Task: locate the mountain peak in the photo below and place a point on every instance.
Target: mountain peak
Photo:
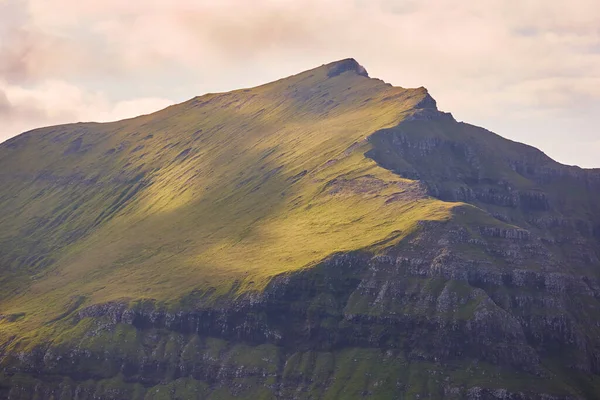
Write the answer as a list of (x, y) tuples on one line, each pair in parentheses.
[(349, 64)]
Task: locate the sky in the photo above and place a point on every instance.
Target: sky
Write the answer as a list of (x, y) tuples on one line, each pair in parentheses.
[(528, 70)]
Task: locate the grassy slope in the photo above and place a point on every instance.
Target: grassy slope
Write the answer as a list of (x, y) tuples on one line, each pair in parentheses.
[(223, 190)]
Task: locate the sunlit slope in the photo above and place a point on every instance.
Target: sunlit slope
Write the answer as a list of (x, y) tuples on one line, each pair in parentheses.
[(219, 194)]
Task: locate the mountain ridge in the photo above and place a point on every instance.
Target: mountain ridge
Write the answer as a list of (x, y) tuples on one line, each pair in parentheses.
[(232, 244)]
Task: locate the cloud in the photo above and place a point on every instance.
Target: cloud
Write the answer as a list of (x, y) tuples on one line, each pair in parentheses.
[(5, 105), (506, 40), (57, 102)]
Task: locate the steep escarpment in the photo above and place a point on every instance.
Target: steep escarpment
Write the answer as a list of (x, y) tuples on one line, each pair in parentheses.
[(323, 236), (461, 162), (418, 319)]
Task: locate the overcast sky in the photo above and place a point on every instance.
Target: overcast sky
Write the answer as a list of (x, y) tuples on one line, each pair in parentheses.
[(528, 70)]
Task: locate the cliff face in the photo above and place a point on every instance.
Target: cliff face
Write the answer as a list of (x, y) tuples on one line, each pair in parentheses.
[(323, 236)]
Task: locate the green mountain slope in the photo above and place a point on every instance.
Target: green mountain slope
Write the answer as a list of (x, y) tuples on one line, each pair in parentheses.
[(326, 235), (223, 189)]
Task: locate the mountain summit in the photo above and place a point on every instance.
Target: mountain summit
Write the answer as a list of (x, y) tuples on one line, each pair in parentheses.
[(348, 64), (326, 235)]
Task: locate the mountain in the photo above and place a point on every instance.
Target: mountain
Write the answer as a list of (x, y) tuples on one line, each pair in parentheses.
[(324, 236)]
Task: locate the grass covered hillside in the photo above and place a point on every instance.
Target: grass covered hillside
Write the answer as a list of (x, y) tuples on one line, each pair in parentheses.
[(219, 193)]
